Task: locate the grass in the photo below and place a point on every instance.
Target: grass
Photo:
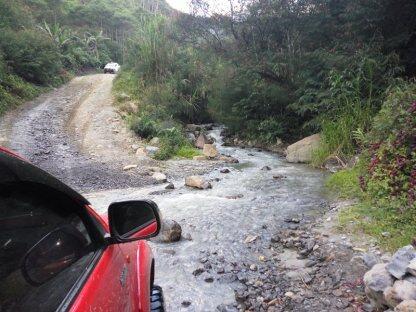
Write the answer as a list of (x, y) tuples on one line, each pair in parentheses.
[(345, 183), (188, 151), (391, 229)]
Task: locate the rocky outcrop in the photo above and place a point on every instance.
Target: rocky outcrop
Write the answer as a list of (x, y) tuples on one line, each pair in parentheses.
[(301, 151), (390, 284), (197, 182)]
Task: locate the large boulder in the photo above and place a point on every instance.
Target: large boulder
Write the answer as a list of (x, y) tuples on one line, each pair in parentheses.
[(202, 140), (301, 151), (210, 151), (171, 231), (400, 291), (401, 259), (197, 182), (376, 281)]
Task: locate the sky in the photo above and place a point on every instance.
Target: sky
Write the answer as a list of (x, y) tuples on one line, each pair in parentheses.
[(215, 5)]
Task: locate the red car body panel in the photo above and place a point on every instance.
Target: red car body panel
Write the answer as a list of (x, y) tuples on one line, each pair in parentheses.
[(129, 261), (122, 277)]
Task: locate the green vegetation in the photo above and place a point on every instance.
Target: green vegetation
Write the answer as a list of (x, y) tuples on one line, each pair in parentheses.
[(44, 42), (267, 70), (385, 180)]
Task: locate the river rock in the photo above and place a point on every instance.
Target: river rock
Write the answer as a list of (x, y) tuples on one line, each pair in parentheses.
[(170, 186), (159, 177), (151, 150), (400, 291), (191, 137), (141, 151), (197, 182), (406, 306), (301, 151), (210, 151), (225, 170), (129, 167), (229, 159), (193, 128), (401, 259), (202, 140), (266, 168), (376, 281), (171, 231), (155, 141), (411, 268), (200, 157)]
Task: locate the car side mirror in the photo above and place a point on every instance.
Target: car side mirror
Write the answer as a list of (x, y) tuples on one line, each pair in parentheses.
[(133, 220), (54, 253)]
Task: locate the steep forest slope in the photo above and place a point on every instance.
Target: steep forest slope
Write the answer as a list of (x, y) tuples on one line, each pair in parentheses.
[(43, 42)]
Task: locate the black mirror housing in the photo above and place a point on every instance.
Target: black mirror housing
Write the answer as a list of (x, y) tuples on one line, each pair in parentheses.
[(133, 220)]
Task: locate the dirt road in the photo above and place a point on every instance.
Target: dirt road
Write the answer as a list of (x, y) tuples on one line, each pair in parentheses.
[(74, 133)]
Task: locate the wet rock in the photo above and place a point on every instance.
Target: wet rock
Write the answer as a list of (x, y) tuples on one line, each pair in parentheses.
[(225, 170), (186, 303), (376, 281), (129, 167), (159, 177), (197, 182), (198, 271), (210, 151), (301, 151), (400, 291), (202, 140), (275, 238), (401, 259), (170, 186), (279, 177), (171, 231), (235, 196), (253, 267), (229, 159), (209, 279), (292, 220), (411, 268), (266, 168), (406, 306)]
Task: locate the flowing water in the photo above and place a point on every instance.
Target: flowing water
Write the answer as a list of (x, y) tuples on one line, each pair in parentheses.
[(257, 205)]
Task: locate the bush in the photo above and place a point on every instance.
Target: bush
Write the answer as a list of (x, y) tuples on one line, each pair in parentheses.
[(144, 127), (172, 142), (32, 56), (391, 177)]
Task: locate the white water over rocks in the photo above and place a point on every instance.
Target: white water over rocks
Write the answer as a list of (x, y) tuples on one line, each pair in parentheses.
[(246, 201)]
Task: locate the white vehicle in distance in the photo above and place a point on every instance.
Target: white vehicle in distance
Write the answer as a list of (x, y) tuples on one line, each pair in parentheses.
[(111, 68)]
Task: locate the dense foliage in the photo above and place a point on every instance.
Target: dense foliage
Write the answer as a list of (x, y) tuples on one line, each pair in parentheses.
[(43, 42)]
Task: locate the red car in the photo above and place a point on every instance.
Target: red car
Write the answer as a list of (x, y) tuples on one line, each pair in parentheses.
[(58, 254)]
